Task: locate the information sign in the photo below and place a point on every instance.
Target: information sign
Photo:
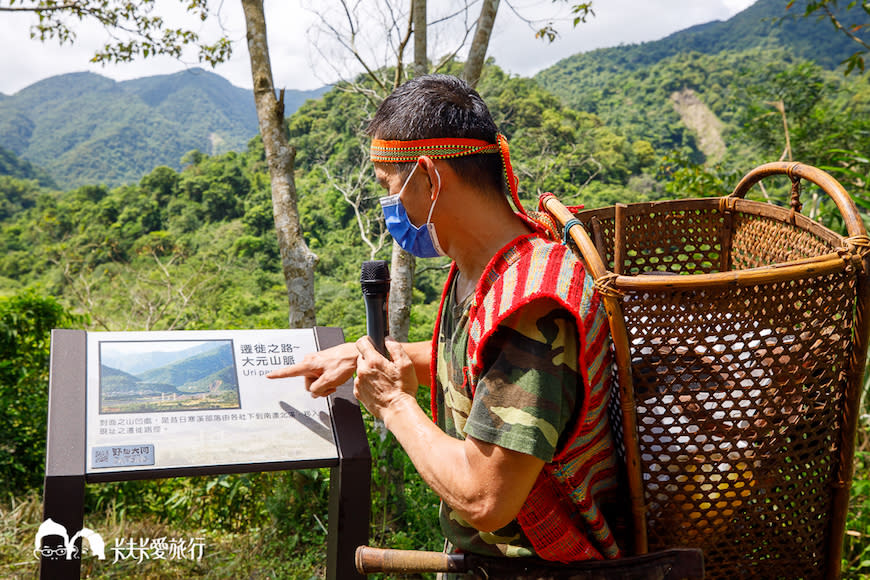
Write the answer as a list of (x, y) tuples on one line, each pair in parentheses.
[(180, 399), (150, 405)]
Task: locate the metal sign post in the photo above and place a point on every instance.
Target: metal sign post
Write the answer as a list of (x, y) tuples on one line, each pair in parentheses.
[(107, 424)]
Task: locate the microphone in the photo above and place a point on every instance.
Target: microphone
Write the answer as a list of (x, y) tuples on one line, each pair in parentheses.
[(375, 282)]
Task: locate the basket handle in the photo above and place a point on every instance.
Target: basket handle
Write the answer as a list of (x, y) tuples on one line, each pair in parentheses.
[(373, 560), (796, 171), (565, 218), (619, 334)]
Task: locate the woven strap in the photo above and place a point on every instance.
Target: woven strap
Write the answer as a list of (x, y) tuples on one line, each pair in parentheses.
[(606, 287), (383, 151), (859, 246), (568, 225)]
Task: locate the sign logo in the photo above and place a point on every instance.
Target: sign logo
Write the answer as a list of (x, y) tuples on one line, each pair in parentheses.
[(69, 550)]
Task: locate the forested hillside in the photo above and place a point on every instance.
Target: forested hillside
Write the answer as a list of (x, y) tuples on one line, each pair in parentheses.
[(824, 110), (83, 128), (737, 69), (12, 165), (195, 248), (765, 24)]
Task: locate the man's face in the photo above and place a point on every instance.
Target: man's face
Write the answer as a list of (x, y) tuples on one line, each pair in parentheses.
[(415, 196)]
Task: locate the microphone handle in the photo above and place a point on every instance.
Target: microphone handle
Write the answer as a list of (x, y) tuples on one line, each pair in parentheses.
[(376, 320)]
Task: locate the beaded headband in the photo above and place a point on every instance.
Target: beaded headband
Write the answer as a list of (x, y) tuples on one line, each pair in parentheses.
[(383, 151)]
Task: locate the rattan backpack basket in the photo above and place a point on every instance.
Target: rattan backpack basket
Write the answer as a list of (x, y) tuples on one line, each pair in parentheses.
[(740, 332)]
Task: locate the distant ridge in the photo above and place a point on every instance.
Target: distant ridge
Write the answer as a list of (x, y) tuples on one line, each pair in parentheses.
[(84, 128), (764, 24), (150, 360), (635, 88)]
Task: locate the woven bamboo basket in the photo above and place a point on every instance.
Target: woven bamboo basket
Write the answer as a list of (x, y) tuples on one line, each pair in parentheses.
[(740, 333)]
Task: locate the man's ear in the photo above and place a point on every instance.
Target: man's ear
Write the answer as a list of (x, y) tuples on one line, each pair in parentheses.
[(436, 183)]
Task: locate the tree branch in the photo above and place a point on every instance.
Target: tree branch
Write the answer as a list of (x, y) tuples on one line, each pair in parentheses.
[(839, 26)]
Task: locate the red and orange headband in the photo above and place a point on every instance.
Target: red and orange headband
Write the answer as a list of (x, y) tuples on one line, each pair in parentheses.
[(383, 151)]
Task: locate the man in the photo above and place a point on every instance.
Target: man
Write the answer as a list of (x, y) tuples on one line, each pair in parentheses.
[(521, 453)]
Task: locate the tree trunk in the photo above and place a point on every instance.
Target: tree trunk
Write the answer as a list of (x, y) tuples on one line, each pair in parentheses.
[(403, 264), (402, 267), (421, 63), (296, 259), (480, 44)]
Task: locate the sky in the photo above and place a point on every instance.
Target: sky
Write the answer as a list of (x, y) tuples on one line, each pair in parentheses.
[(304, 57)]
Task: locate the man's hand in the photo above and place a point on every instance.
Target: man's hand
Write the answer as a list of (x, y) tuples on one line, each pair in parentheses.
[(325, 370), (380, 382)]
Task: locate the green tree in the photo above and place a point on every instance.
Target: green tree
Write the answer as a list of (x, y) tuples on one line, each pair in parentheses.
[(26, 321)]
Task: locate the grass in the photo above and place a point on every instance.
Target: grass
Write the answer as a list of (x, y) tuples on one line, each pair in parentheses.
[(273, 525), (856, 549), (256, 554), (295, 551)]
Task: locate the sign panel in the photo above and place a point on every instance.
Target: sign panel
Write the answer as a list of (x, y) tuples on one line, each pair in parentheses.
[(176, 399)]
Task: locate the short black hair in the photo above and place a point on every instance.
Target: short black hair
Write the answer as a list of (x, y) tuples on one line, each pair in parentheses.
[(437, 106)]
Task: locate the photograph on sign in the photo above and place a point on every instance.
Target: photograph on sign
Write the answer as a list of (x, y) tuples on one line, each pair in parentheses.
[(176, 399), (167, 376)]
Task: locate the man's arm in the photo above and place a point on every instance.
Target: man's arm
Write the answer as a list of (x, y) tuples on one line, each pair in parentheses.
[(326, 370), (485, 483)]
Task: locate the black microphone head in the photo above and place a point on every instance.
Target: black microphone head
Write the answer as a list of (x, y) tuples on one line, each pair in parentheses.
[(375, 277)]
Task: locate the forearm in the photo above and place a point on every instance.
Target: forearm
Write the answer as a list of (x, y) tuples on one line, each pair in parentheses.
[(485, 484)]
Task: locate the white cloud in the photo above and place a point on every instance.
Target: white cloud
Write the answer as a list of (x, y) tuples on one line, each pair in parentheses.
[(295, 65), (737, 5), (616, 22)]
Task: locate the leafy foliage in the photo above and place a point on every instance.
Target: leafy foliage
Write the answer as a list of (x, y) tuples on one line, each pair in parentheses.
[(13, 166), (855, 31), (26, 321), (581, 13), (136, 30)]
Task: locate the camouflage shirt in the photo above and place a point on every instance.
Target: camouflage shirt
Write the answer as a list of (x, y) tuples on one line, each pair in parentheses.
[(524, 400)]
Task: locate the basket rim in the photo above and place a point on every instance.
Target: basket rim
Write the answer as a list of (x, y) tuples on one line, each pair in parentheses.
[(832, 263), (719, 203), (844, 255)]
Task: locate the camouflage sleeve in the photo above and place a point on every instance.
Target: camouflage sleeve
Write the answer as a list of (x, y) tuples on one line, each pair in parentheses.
[(528, 391)]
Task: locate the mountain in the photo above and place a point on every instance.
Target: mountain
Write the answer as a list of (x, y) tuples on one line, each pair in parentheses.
[(222, 380), (194, 369), (84, 128), (764, 24), (14, 166), (212, 370), (114, 383), (642, 89), (142, 362)]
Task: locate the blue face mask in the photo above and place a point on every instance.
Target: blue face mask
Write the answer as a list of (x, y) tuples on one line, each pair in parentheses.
[(419, 241)]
